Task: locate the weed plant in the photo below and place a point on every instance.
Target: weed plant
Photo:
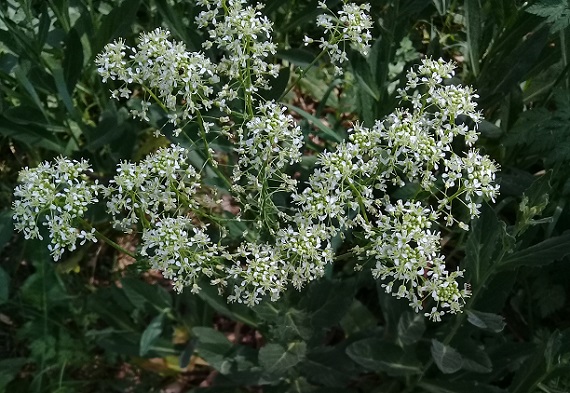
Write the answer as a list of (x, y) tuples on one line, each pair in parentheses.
[(288, 196)]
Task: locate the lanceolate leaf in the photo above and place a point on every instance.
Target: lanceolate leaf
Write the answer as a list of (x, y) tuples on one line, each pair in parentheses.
[(377, 355), (540, 254)]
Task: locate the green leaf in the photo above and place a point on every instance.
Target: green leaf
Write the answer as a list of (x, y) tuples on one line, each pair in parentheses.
[(447, 359), (475, 357), (329, 366), (277, 360), (328, 132), (483, 244), (187, 353), (151, 333), (115, 24), (544, 132), (487, 321), (238, 312), (357, 318), (411, 328), (473, 22), (4, 286), (378, 355), (212, 346), (141, 293), (543, 253), (29, 87), (73, 59), (556, 12), (326, 302), (513, 66), (63, 90)]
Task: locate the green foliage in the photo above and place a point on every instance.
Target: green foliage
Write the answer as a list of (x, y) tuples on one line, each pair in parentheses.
[(89, 324)]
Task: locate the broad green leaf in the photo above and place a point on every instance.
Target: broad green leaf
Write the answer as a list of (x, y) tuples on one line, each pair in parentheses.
[(357, 318), (150, 334), (411, 328), (447, 359), (543, 253), (483, 244), (378, 355), (326, 302), (487, 321), (329, 366), (4, 286), (275, 359), (209, 336), (212, 346), (474, 355)]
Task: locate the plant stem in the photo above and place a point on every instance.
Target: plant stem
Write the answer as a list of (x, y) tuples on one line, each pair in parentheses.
[(302, 75), (105, 239)]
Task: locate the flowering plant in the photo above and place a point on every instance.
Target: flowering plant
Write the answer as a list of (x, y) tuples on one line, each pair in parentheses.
[(289, 227)]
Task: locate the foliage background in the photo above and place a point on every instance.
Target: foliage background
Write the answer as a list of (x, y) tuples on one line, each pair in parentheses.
[(95, 322)]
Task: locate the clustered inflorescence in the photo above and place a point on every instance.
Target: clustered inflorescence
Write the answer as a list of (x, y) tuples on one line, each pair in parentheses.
[(288, 243)]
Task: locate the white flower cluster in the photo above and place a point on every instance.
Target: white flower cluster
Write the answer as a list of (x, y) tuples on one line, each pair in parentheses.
[(266, 145), (351, 25), (437, 111), (164, 182), (297, 257), (175, 77), (58, 195), (407, 254), (410, 146), (245, 34), (181, 251), (415, 147)]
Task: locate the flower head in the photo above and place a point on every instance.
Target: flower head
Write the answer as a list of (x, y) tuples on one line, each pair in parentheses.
[(58, 195)]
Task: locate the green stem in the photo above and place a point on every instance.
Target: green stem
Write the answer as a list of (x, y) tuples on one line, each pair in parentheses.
[(302, 74), (105, 239), (209, 158)]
